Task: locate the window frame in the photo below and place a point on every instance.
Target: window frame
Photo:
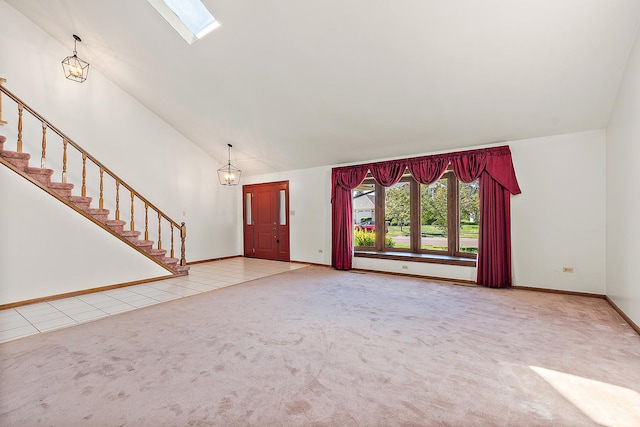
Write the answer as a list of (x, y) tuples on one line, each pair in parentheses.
[(415, 252)]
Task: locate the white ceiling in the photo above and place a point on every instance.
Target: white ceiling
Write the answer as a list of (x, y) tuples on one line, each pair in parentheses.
[(303, 83)]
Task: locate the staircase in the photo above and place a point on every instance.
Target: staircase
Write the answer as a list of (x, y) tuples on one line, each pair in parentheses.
[(18, 161)]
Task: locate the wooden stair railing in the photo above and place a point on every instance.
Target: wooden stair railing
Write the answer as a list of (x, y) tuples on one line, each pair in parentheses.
[(165, 226)]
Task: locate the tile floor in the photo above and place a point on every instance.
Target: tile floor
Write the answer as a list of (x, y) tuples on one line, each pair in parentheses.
[(45, 316)]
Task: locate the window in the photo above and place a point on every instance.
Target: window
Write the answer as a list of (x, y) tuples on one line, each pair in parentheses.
[(190, 18), (409, 218)]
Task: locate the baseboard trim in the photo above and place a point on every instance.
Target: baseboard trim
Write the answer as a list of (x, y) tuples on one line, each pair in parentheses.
[(213, 259), (242, 256), (83, 292), (419, 276), (309, 263), (559, 291), (623, 315)]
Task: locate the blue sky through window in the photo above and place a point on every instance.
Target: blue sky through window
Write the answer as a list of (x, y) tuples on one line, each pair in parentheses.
[(190, 18)]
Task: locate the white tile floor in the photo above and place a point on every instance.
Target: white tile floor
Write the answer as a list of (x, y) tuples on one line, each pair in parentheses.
[(45, 316)]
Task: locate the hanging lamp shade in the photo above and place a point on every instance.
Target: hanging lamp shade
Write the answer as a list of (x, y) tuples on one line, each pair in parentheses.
[(75, 68), (229, 174)]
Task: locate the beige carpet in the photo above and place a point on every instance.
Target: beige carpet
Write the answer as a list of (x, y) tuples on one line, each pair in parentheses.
[(318, 347)]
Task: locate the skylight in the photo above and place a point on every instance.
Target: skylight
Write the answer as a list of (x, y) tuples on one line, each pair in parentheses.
[(190, 18)]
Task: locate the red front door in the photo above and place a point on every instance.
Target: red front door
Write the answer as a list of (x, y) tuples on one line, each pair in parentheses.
[(266, 220)]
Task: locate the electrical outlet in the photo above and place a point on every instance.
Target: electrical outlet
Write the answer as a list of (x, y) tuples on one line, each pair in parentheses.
[(319, 251), (405, 267), (567, 269), (184, 213)]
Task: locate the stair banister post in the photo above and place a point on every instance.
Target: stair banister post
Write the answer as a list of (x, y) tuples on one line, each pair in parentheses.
[(159, 231), (19, 143), (183, 235), (117, 199), (171, 225), (84, 175), (43, 160), (2, 122), (146, 221), (101, 201), (133, 227), (64, 160)]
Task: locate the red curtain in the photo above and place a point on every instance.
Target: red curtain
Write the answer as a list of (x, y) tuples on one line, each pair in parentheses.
[(494, 251), (344, 180), (497, 181), (493, 167)]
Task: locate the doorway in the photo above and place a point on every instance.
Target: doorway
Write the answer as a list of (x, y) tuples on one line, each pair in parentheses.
[(265, 209)]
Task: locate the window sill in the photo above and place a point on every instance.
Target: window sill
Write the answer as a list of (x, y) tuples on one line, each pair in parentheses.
[(412, 257)]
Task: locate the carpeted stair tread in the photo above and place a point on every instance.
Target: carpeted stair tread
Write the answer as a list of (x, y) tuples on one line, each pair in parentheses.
[(99, 211), (99, 214), (158, 254), (130, 234), (182, 269), (19, 160), (143, 243), (42, 175), (116, 225), (58, 185), (62, 189), (81, 202), (15, 155)]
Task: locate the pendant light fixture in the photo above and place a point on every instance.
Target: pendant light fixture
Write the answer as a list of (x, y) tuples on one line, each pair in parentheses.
[(229, 174), (75, 68)]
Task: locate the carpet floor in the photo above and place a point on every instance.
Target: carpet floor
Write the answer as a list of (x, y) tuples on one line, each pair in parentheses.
[(319, 347)]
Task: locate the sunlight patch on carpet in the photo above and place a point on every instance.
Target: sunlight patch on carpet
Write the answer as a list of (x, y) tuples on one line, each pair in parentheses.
[(606, 404)]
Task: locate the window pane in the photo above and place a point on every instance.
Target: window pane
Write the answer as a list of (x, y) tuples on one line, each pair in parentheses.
[(397, 216), (433, 216), (469, 216), (364, 214), (247, 204), (283, 208)]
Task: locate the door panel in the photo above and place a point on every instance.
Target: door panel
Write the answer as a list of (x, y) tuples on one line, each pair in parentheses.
[(266, 221)]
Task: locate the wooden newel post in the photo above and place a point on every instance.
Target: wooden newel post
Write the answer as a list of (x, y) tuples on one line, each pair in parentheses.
[(183, 235)]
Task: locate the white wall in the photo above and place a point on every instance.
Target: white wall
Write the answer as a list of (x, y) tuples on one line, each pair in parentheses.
[(623, 193), (558, 220), (142, 149)]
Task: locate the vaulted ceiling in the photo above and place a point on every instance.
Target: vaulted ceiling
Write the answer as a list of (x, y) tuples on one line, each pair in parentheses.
[(295, 84)]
